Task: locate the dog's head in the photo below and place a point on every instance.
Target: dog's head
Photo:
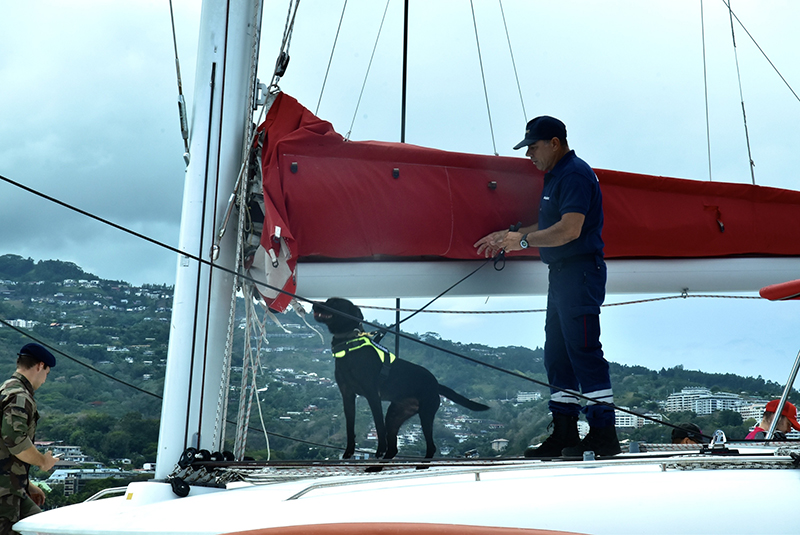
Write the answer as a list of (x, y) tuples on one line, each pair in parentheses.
[(325, 313)]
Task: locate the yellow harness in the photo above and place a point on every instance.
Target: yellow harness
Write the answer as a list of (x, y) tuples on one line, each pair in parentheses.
[(364, 340)]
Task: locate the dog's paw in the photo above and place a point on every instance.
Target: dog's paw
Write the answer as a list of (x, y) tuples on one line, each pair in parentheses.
[(348, 453)]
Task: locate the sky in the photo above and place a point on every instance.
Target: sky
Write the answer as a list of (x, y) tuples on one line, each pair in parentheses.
[(88, 115)]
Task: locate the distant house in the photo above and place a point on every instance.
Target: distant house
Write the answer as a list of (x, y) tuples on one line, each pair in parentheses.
[(523, 397), (499, 444), (59, 476)]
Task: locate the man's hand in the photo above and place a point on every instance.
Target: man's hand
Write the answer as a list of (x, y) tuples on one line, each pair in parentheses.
[(36, 494), (49, 461), (491, 244), (32, 456)]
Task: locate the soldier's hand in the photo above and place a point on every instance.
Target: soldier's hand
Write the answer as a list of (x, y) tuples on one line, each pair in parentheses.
[(49, 461), (36, 494)]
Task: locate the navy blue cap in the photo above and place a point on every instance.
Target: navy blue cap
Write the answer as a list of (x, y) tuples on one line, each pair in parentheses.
[(38, 352), (544, 127), (690, 431)]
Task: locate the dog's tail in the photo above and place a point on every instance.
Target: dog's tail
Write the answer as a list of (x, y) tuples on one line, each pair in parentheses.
[(454, 396)]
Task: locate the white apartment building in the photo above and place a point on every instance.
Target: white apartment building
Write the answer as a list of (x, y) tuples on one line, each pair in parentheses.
[(624, 419), (717, 402), (702, 401), (753, 410), (522, 397)]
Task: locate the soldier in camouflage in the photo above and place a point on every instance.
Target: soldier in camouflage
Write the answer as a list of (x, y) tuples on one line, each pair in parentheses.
[(19, 498)]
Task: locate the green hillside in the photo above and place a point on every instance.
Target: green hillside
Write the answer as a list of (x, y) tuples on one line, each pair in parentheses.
[(112, 331)]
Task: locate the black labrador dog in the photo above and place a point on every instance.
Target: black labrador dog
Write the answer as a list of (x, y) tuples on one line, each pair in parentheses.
[(363, 368)]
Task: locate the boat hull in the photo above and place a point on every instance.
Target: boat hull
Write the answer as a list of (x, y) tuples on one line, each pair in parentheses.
[(620, 496)]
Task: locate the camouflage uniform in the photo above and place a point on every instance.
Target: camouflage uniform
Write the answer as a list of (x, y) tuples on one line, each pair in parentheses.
[(17, 429)]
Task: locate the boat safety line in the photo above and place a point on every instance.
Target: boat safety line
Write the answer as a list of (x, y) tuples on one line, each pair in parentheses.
[(536, 310)]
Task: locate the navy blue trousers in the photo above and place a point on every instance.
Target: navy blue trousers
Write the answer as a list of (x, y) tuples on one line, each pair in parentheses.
[(573, 355)]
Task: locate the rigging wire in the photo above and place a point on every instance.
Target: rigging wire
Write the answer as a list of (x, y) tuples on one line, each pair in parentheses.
[(404, 80), (283, 56), (363, 85), (75, 360), (483, 76), (143, 391), (514, 63), (786, 83), (181, 100), (705, 87), (741, 96), (422, 309), (330, 60)]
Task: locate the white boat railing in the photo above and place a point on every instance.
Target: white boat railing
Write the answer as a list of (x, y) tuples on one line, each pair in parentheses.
[(106, 492)]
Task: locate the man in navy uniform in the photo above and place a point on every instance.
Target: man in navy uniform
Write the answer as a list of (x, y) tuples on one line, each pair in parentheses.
[(568, 235), (19, 498)]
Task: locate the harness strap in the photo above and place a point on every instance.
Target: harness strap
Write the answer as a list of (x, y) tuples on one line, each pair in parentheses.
[(342, 349)]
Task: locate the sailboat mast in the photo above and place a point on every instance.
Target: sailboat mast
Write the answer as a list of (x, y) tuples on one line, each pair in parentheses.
[(202, 302)]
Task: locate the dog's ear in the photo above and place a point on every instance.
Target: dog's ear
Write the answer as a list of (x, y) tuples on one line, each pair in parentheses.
[(355, 311)]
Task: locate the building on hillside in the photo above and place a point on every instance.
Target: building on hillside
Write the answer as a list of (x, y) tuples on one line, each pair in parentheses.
[(684, 400), (702, 401), (60, 476), (719, 401), (523, 397), (624, 419), (499, 444), (23, 324), (754, 410), (68, 456)]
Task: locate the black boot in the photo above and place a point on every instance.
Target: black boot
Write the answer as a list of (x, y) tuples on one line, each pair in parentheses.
[(602, 441), (565, 435)]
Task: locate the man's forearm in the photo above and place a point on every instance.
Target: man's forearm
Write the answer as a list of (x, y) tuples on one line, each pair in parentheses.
[(31, 456)]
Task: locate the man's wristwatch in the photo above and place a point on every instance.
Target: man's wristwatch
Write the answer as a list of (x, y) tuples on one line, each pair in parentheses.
[(524, 241)]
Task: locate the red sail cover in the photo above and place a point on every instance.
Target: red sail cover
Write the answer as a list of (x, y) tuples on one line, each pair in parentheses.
[(327, 197)]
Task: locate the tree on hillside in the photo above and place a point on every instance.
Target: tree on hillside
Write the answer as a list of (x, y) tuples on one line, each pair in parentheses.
[(14, 266)]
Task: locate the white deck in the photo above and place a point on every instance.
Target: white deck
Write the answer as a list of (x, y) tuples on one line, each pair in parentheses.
[(638, 495)]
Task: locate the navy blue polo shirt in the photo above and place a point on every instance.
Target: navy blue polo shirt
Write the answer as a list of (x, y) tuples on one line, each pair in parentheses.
[(572, 186)]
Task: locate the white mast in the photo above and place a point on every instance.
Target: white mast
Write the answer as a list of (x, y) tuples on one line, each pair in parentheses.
[(201, 308)]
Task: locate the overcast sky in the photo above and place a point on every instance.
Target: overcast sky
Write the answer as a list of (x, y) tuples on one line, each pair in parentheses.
[(88, 115)]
